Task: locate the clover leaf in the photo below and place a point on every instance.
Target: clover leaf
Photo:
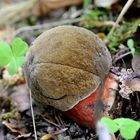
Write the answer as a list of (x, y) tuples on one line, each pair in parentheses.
[(15, 64), (127, 127), (112, 126), (13, 57), (19, 47), (5, 53), (127, 133)]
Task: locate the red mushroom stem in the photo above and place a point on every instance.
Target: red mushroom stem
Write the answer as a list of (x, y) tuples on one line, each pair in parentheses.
[(83, 113)]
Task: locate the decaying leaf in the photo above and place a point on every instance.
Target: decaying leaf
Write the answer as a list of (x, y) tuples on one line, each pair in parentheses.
[(23, 136), (50, 135), (130, 82), (21, 97), (129, 86), (13, 128), (47, 137), (14, 79)]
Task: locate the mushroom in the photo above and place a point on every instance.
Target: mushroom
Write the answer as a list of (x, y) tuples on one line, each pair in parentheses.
[(65, 67)]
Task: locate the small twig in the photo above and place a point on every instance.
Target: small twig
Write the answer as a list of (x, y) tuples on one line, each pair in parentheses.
[(60, 120), (120, 57), (124, 10), (59, 131), (58, 23), (33, 118), (49, 121)]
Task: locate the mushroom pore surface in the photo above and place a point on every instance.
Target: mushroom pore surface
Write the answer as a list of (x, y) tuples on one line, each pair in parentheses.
[(65, 65)]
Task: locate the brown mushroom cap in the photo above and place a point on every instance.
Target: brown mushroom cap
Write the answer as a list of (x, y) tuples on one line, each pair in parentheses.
[(65, 65)]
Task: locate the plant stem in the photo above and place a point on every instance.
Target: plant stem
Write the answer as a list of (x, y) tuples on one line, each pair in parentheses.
[(33, 118), (124, 10)]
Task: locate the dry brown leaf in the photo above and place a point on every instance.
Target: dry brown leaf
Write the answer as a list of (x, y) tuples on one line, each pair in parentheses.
[(21, 97), (129, 86), (24, 136), (10, 126), (133, 84), (50, 135), (13, 79), (130, 82), (46, 137)]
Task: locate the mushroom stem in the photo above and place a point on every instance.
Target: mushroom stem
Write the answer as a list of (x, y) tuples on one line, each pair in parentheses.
[(84, 112)]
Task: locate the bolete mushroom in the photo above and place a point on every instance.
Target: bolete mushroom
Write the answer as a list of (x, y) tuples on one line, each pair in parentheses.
[(65, 67)]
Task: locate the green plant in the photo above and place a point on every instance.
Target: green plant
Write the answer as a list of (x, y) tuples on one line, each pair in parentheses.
[(126, 30), (13, 57), (86, 3), (127, 127), (131, 46), (92, 16), (95, 14)]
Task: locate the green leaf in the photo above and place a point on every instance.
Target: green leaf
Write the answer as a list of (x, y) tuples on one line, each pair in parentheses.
[(19, 47), (125, 122), (14, 64), (13, 57), (131, 45), (128, 127), (112, 126), (5, 53), (20, 61), (127, 133)]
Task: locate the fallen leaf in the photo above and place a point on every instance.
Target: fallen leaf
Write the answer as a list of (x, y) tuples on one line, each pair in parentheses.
[(46, 137), (24, 136), (15, 79), (9, 126), (50, 135), (21, 97), (129, 86), (129, 83)]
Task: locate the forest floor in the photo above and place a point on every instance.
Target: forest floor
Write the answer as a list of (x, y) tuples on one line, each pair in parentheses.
[(28, 20)]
